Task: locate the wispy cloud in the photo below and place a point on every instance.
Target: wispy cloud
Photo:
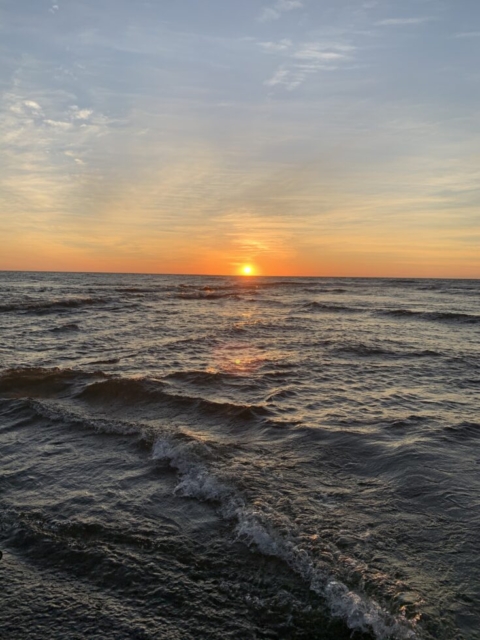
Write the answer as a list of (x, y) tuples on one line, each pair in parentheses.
[(253, 235), (281, 76), (275, 47), (275, 11), (315, 51), (58, 124), (403, 22), (304, 60), (43, 139), (467, 34)]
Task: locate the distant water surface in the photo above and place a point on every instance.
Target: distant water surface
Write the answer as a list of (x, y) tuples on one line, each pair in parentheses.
[(193, 457)]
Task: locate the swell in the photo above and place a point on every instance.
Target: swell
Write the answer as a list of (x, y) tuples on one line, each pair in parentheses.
[(462, 432), (326, 290), (409, 314), (71, 326), (440, 316), (364, 350), (51, 306), (209, 295), (401, 282), (207, 378), (36, 381), (144, 391), (100, 389), (251, 283), (140, 290), (330, 308)]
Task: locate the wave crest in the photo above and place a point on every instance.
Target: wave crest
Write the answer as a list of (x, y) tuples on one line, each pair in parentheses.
[(254, 527)]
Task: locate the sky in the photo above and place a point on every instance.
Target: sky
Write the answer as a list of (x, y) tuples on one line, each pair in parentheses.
[(302, 137)]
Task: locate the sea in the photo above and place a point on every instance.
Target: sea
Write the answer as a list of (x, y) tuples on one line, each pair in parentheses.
[(190, 457)]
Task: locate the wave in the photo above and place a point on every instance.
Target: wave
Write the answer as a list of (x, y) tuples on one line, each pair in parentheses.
[(442, 316), (36, 381), (233, 289), (136, 290), (70, 326), (256, 528), (275, 285), (401, 282), (405, 423), (364, 350), (281, 283), (107, 361), (206, 288), (431, 287), (462, 431), (133, 391), (250, 283), (202, 377), (330, 307), (205, 473), (51, 306), (144, 397), (208, 295), (102, 389), (325, 290)]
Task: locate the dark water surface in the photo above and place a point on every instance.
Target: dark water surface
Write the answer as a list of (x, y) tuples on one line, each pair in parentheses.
[(192, 457)]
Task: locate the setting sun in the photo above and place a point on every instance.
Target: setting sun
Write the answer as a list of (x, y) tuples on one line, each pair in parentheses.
[(247, 270)]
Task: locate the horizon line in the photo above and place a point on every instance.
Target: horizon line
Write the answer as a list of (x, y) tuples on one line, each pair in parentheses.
[(230, 275)]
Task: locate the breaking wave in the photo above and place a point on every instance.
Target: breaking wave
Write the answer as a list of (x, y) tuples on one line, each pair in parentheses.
[(254, 527)]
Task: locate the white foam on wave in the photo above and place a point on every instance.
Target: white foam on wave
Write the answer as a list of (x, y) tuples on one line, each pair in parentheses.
[(270, 532), (365, 614), (196, 481), (254, 527)]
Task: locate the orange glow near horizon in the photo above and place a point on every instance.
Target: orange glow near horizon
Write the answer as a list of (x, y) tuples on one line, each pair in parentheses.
[(355, 258)]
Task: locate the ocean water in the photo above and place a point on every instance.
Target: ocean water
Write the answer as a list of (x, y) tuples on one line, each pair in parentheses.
[(192, 457)]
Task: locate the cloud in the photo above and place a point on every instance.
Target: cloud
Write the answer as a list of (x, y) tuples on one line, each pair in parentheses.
[(31, 104), (73, 156), (275, 47), (80, 114), (293, 78), (275, 11), (58, 124), (401, 22), (468, 34), (310, 52), (281, 76), (305, 59), (40, 131)]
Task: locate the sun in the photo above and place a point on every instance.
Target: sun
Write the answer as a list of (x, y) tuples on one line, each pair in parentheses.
[(247, 270)]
